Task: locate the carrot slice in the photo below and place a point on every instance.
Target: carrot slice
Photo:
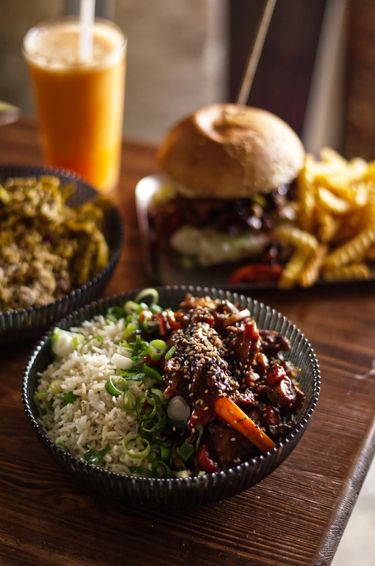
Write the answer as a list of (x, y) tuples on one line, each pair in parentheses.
[(229, 412)]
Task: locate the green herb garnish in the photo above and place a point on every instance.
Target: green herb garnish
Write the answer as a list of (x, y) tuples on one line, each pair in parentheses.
[(94, 457)]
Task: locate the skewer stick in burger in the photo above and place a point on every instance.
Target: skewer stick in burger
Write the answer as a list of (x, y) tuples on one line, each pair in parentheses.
[(231, 172)]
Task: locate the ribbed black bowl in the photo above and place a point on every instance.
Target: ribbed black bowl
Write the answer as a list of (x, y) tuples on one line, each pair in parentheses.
[(181, 492), (25, 324)]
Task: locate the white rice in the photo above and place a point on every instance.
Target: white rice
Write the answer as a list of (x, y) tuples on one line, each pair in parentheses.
[(95, 420)]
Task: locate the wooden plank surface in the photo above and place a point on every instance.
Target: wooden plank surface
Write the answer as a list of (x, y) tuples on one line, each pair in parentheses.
[(295, 516)]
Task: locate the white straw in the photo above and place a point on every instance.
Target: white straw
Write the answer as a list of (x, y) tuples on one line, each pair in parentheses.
[(86, 21)]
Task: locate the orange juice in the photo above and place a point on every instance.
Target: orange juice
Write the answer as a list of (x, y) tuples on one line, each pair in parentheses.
[(80, 104)]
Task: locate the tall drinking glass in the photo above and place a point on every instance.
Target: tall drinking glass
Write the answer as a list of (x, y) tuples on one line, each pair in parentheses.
[(80, 104)]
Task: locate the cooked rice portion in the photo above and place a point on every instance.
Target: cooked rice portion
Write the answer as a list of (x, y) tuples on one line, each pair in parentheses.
[(94, 420)]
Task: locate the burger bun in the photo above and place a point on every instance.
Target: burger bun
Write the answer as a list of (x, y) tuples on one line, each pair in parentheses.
[(230, 151)]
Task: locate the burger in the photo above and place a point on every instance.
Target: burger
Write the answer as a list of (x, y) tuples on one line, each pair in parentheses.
[(230, 175)]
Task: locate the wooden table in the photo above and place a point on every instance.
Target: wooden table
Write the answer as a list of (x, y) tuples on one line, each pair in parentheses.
[(296, 516)]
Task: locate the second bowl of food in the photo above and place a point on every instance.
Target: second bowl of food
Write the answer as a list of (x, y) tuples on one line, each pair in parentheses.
[(174, 396), (59, 244)]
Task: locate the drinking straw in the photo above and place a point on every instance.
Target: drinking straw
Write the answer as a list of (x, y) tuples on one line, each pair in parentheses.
[(255, 52), (86, 22)]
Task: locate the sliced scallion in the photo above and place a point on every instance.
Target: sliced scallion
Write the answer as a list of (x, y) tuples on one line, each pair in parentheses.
[(148, 408), (150, 292), (131, 307), (55, 386), (151, 372), (116, 385), (114, 314), (171, 352), (156, 349), (94, 457), (130, 329), (161, 469), (139, 471), (158, 393), (132, 376), (153, 425), (135, 446), (77, 340), (165, 453), (69, 397), (186, 451), (155, 308), (129, 401), (40, 395)]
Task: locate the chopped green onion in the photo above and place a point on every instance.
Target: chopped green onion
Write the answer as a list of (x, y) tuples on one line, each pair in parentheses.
[(155, 308), (77, 340), (55, 335), (151, 372), (140, 471), (92, 338), (55, 386), (161, 469), (165, 453), (200, 430), (69, 397), (156, 349), (152, 293), (139, 348), (147, 323), (148, 408), (129, 401), (131, 307), (154, 424), (171, 352), (186, 451), (135, 446), (94, 457), (114, 314), (40, 395), (132, 376), (159, 394), (130, 329), (116, 385)]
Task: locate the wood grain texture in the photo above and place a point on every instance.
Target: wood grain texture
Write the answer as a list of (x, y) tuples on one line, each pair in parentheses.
[(294, 517)]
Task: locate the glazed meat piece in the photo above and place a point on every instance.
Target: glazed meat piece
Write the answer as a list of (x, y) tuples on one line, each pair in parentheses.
[(198, 371), (221, 353), (273, 342), (230, 446)]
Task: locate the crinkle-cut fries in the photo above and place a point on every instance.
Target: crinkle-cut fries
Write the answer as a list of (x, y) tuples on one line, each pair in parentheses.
[(333, 237)]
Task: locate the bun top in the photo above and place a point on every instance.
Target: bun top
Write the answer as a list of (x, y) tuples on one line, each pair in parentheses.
[(230, 151)]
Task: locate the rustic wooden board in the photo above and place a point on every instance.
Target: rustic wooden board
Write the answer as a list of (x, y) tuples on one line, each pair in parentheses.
[(295, 517)]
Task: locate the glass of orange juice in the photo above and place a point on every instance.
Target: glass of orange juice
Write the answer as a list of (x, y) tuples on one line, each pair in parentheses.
[(80, 104)]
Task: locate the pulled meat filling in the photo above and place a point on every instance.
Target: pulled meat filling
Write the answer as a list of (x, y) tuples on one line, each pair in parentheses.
[(231, 216)]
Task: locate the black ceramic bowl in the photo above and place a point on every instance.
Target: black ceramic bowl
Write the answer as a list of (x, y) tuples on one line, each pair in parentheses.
[(181, 492), (24, 324)]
